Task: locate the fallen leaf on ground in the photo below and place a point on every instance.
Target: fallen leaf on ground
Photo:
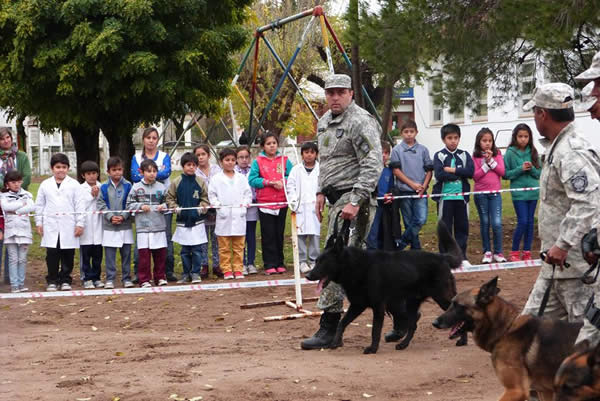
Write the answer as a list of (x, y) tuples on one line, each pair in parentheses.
[(367, 395), (195, 398), (119, 353), (94, 328)]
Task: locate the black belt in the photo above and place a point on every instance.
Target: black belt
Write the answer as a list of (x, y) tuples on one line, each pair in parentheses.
[(333, 195), (592, 313)]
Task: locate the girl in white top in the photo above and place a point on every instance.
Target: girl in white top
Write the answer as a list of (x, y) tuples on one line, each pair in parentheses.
[(302, 194), (16, 203), (206, 171), (230, 189), (244, 158)]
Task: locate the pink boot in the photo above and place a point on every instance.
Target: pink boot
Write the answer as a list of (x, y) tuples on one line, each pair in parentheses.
[(515, 256), (526, 255)]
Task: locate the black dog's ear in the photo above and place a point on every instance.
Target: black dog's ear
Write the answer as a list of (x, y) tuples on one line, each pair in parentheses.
[(488, 291)]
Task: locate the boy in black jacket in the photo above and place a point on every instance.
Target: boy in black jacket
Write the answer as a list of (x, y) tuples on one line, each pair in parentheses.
[(189, 191), (453, 167)]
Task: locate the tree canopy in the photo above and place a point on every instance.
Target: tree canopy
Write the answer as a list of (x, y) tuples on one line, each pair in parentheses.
[(110, 64), (473, 44)]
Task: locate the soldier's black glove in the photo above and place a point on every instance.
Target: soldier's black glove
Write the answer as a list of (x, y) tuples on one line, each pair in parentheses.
[(589, 243)]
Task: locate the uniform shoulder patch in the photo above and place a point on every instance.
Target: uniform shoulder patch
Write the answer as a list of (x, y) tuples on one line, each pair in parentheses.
[(579, 182)]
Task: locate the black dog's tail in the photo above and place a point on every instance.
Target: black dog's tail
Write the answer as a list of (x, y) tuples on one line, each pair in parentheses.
[(449, 246)]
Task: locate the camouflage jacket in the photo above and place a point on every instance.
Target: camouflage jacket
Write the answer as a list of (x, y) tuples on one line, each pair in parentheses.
[(569, 196), (349, 152)]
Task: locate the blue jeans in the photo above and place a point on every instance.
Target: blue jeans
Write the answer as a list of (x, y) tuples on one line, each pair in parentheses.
[(191, 259), (489, 207), (250, 249), (17, 262), (525, 210), (214, 245), (414, 214), (110, 258)]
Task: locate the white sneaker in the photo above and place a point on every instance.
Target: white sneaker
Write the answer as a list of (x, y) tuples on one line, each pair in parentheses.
[(304, 268), (109, 285), (499, 258), (98, 284), (14, 290), (65, 287), (162, 282), (252, 269), (51, 287), (487, 258), (128, 284), (146, 284), (245, 270), (88, 284), (23, 289)]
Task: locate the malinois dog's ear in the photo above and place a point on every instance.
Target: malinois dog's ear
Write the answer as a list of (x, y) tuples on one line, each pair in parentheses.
[(330, 241), (488, 291), (581, 347), (594, 359)]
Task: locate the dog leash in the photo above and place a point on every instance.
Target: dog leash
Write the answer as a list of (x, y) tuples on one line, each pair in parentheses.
[(543, 256)]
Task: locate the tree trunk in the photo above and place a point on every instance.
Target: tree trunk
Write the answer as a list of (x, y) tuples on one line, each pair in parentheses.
[(354, 36), (120, 143), (21, 137), (86, 146), (388, 96)]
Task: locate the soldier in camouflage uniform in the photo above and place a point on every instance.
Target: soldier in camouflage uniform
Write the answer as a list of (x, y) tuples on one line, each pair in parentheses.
[(590, 102), (569, 195), (350, 165)]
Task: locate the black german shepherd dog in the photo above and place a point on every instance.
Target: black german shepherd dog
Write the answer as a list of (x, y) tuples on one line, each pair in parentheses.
[(393, 282)]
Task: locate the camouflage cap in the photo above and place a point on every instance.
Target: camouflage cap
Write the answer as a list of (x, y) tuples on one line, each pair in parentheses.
[(554, 95), (586, 101), (338, 81), (593, 72)]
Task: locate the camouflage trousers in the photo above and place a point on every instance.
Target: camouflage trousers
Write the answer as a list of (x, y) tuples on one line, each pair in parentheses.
[(567, 300), (331, 298), (589, 331)]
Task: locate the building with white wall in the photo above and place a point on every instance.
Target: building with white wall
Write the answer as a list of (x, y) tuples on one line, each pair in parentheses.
[(501, 119)]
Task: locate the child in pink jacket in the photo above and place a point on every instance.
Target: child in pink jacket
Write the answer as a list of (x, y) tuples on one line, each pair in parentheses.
[(489, 170), (268, 175)]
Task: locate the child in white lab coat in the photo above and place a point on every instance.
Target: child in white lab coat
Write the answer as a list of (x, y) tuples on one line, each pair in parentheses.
[(302, 193), (60, 221), (230, 188), (90, 241)]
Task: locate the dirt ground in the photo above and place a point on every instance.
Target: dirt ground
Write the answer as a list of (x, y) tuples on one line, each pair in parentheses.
[(201, 344)]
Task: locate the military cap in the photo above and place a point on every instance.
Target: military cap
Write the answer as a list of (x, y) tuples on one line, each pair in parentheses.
[(593, 72), (338, 81), (554, 95), (587, 100)]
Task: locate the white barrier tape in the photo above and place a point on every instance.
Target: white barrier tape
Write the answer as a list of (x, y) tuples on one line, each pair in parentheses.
[(175, 210), (237, 284), (459, 193)]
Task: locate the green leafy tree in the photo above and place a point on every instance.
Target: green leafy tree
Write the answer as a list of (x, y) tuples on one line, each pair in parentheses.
[(481, 43), (85, 65)]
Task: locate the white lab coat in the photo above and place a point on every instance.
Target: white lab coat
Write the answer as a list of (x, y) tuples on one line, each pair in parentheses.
[(302, 188), (222, 190), (51, 200), (92, 235)]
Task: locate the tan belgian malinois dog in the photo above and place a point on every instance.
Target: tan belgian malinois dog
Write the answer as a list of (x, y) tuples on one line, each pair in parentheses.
[(526, 350), (578, 377)]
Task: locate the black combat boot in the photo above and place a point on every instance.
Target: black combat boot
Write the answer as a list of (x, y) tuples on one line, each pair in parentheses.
[(323, 337)]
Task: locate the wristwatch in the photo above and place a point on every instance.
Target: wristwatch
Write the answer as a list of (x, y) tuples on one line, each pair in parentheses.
[(354, 200)]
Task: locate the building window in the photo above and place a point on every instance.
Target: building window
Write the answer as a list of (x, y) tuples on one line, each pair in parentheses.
[(480, 112), (527, 83), (437, 110)]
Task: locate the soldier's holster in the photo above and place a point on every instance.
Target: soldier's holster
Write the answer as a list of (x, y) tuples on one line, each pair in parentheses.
[(333, 195)]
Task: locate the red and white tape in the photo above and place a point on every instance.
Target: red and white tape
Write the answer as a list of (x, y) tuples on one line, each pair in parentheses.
[(237, 284)]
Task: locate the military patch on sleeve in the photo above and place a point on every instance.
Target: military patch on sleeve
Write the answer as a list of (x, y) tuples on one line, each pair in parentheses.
[(579, 182)]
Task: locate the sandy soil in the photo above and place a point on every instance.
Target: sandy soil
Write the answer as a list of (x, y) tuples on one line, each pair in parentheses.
[(181, 346)]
